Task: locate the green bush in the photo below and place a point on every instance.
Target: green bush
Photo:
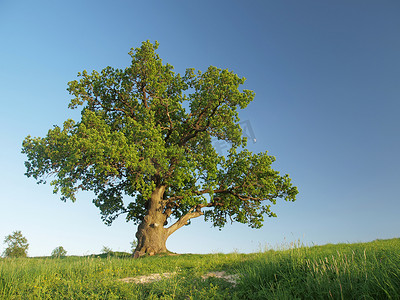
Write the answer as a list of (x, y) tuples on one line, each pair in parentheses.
[(59, 252)]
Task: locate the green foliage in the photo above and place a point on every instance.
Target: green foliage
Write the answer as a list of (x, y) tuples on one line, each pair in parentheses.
[(106, 250), (59, 252), (17, 245), (344, 271), (135, 134), (133, 245)]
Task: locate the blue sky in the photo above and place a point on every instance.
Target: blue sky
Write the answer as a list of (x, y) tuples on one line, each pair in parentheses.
[(327, 80)]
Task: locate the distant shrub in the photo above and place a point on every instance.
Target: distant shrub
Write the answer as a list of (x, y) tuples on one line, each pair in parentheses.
[(59, 252), (106, 250), (133, 245), (17, 245)]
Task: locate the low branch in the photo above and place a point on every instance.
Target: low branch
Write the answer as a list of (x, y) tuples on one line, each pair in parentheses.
[(194, 212), (184, 220)]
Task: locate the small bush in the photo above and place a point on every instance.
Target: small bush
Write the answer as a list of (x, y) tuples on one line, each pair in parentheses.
[(106, 250), (59, 252)]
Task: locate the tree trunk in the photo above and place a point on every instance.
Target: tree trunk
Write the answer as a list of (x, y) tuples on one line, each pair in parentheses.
[(151, 234), (151, 237)]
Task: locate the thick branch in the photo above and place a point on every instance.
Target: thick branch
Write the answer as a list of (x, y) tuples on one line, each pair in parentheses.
[(184, 220)]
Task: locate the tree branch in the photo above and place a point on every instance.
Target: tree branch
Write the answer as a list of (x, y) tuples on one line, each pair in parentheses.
[(196, 128), (184, 219)]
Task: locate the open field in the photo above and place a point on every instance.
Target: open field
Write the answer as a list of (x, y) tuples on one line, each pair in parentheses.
[(343, 271)]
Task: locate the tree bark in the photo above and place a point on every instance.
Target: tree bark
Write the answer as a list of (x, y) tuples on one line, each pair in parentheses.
[(151, 237), (151, 234)]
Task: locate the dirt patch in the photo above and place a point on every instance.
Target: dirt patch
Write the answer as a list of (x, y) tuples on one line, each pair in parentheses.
[(232, 278), (147, 278)]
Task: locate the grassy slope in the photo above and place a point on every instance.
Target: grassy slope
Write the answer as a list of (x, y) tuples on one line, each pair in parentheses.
[(344, 271)]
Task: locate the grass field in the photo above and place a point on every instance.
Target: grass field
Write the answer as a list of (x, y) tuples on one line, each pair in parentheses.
[(343, 271)]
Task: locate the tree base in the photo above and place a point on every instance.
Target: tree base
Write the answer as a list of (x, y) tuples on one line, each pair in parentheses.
[(138, 254), (148, 252), (151, 240)]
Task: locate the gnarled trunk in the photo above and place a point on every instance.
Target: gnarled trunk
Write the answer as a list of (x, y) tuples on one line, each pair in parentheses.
[(151, 237), (151, 234)]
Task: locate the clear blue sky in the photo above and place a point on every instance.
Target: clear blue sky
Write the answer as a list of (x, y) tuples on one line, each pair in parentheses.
[(327, 81)]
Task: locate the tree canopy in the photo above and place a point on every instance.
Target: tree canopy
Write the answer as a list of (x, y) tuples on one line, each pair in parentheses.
[(145, 132)]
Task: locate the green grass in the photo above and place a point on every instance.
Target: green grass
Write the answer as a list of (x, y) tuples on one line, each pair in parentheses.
[(343, 271)]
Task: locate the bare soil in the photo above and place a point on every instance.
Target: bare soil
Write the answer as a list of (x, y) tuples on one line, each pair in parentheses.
[(231, 278)]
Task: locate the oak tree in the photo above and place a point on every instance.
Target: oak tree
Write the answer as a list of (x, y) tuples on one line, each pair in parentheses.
[(144, 146)]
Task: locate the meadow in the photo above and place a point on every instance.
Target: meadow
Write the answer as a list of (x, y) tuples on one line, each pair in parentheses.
[(341, 271)]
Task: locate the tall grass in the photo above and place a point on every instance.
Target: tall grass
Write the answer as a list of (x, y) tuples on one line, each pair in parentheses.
[(97, 278), (344, 271)]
